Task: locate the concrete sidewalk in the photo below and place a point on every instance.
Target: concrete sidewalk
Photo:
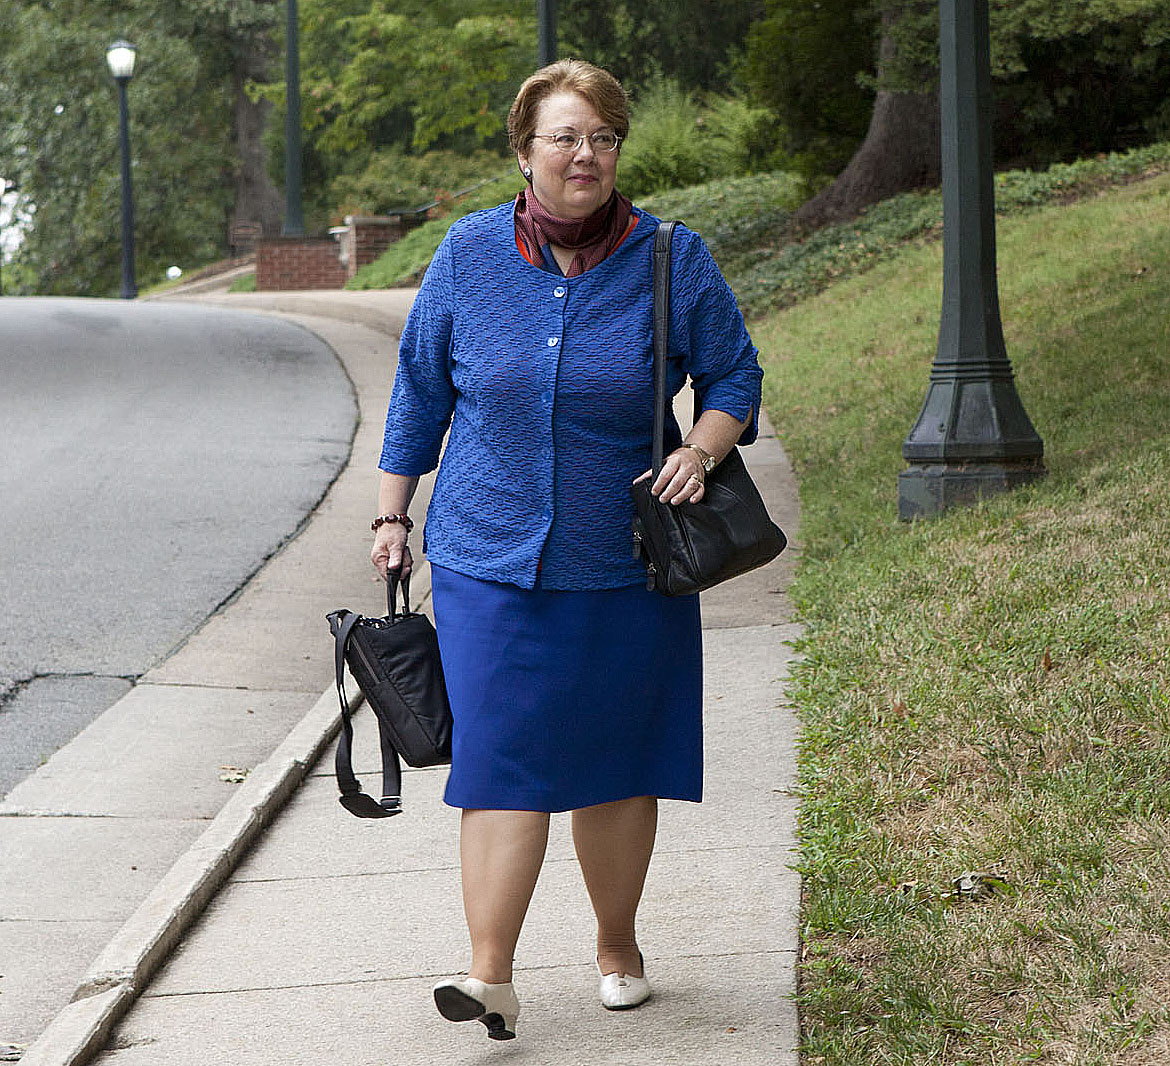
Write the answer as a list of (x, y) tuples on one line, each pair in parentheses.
[(324, 941)]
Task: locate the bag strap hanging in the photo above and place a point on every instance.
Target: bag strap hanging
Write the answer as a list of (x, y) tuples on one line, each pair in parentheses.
[(353, 799), (663, 237)]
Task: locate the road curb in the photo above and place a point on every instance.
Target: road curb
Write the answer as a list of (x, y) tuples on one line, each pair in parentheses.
[(129, 961)]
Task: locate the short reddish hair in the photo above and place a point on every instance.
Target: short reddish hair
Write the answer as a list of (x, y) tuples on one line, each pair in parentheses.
[(603, 91)]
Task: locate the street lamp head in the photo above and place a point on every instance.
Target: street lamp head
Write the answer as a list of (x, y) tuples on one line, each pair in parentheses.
[(120, 56)]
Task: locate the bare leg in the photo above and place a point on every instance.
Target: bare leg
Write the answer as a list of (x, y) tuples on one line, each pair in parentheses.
[(614, 842), (501, 853)]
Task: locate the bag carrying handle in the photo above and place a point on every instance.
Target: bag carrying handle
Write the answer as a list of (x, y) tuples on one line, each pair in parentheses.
[(393, 580)]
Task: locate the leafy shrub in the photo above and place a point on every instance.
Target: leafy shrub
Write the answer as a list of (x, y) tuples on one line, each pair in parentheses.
[(677, 140), (732, 214), (394, 181), (667, 147), (747, 137)]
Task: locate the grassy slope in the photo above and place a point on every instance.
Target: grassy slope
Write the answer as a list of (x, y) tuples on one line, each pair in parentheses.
[(990, 690)]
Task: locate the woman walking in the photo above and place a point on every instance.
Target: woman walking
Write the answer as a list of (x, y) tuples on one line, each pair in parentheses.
[(573, 687)]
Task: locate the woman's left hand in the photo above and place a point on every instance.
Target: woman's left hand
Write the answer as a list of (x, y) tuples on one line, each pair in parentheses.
[(681, 478)]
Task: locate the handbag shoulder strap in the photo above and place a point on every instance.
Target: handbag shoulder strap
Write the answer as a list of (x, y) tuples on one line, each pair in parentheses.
[(663, 238), (353, 799)]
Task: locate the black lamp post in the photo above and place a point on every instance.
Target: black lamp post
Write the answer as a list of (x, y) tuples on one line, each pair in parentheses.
[(294, 212), (546, 11), (120, 56), (973, 437)]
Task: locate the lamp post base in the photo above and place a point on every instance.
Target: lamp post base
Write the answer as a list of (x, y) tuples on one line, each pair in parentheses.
[(929, 489)]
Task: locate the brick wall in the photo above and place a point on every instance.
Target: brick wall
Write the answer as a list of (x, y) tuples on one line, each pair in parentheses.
[(284, 263), (366, 238)]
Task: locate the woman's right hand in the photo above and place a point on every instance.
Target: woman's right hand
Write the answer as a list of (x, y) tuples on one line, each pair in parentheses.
[(390, 549)]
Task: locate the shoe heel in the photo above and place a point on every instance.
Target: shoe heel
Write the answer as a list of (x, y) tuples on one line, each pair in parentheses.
[(473, 1000), (498, 1027)]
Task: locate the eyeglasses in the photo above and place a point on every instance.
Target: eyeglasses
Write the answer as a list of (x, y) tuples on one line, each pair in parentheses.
[(570, 141)]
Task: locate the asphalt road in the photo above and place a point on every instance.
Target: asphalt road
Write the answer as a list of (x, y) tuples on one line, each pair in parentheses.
[(152, 456)]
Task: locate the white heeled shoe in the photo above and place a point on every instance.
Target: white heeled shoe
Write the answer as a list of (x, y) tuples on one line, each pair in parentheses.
[(623, 992), (470, 1000)]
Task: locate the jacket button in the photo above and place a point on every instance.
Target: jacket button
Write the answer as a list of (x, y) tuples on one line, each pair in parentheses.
[(552, 342)]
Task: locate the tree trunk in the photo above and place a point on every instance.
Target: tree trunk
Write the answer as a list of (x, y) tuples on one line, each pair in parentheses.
[(900, 152), (257, 198)]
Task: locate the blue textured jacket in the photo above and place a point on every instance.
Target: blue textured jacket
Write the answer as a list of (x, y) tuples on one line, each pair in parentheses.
[(546, 384)]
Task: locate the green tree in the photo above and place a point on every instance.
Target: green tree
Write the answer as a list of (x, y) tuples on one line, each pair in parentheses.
[(384, 79), (901, 146), (1071, 77), (237, 45), (383, 72), (59, 131), (689, 42), (59, 142), (1079, 76), (805, 63)]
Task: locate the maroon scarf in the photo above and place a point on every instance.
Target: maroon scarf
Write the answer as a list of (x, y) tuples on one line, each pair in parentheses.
[(593, 237)]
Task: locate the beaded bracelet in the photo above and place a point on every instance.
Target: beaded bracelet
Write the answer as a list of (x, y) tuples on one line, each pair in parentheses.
[(387, 519)]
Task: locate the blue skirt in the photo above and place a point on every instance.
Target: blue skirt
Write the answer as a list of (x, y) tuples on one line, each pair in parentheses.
[(567, 699)]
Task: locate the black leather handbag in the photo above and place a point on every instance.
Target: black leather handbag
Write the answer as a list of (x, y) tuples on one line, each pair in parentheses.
[(690, 547), (395, 661)]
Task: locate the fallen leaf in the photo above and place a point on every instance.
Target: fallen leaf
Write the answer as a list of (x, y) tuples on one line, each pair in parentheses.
[(233, 775), (976, 885), (1046, 661)]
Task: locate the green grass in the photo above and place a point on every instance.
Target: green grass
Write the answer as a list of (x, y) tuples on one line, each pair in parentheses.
[(244, 283), (989, 690), (159, 287)]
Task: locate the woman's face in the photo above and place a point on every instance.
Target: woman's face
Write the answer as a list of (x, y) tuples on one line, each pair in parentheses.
[(569, 184)]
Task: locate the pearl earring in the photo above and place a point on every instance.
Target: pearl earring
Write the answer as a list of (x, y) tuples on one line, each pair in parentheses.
[(527, 172)]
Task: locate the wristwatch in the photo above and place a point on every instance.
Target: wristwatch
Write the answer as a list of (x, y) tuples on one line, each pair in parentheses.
[(706, 458)]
